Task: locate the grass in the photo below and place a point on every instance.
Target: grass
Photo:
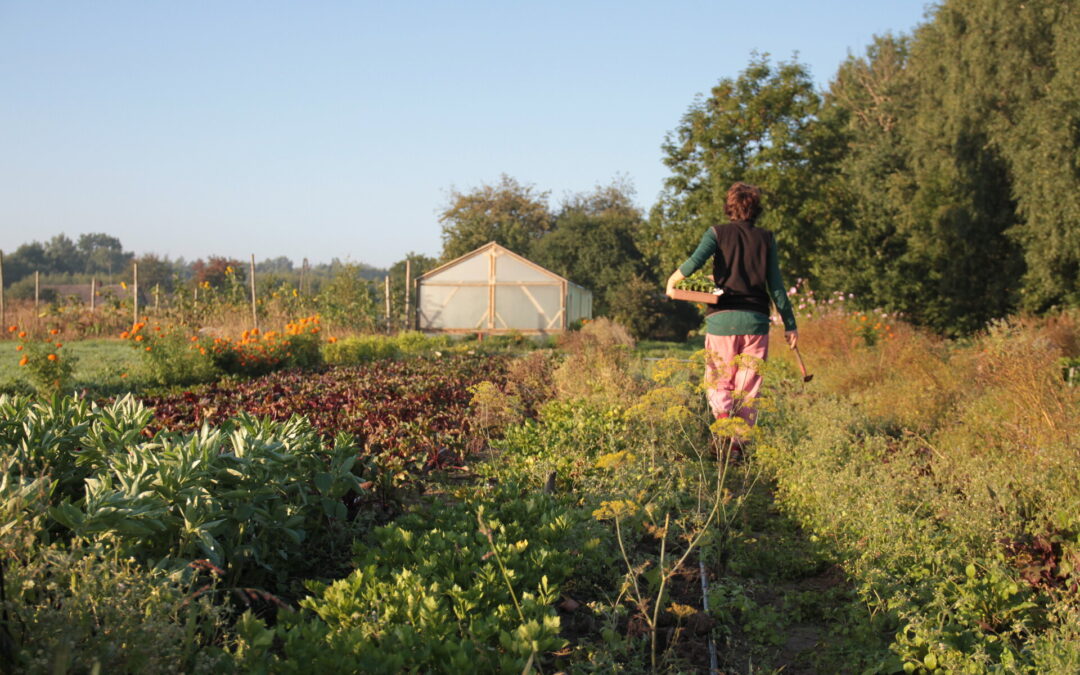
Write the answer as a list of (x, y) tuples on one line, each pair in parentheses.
[(101, 363)]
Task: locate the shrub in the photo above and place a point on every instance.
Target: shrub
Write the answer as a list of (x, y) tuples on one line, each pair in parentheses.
[(49, 368), (81, 607), (596, 367), (356, 351)]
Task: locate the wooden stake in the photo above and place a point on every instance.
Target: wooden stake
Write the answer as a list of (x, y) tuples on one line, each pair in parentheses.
[(408, 288), (135, 293), (254, 312), (387, 285), (37, 295), (157, 297), (93, 293), (2, 321), (303, 276)]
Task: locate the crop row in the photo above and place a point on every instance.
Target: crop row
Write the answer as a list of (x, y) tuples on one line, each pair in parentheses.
[(413, 411)]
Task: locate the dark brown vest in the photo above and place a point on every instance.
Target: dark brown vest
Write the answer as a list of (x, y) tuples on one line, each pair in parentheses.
[(739, 267)]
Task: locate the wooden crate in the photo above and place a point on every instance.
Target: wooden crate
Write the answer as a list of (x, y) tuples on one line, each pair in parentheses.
[(695, 296)]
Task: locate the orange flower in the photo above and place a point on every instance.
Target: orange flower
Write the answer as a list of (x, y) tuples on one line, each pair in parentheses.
[(54, 331), (125, 335), (59, 345), (22, 333), (123, 375), (138, 338), (52, 357), (19, 348), (194, 338), (24, 360), (147, 349), (331, 340), (12, 329)]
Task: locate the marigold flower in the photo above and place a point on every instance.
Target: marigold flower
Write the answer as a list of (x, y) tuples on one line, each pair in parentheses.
[(22, 333), (59, 345), (24, 360), (12, 329), (54, 331), (194, 338), (19, 348), (138, 338), (147, 349), (123, 375), (125, 335), (52, 357)]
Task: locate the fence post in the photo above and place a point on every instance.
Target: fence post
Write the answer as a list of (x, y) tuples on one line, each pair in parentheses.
[(254, 312), (93, 293), (303, 276), (157, 297), (2, 314), (408, 283), (37, 295), (386, 283), (135, 293)]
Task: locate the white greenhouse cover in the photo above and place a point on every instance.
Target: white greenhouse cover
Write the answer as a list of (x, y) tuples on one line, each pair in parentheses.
[(493, 289)]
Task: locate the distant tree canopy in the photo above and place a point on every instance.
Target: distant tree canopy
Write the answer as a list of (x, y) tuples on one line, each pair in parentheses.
[(512, 214)]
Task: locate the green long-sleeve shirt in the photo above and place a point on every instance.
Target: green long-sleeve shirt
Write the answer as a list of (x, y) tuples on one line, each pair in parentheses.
[(739, 322)]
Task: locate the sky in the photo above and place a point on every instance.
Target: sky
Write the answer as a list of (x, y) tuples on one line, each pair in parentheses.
[(339, 129)]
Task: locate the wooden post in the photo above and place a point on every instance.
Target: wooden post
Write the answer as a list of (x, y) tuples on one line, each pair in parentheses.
[(157, 297), (2, 315), (93, 293), (387, 285), (303, 275), (408, 287), (37, 295), (135, 293), (254, 311)]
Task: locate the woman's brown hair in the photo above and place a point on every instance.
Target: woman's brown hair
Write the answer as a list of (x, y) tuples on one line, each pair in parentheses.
[(743, 202)]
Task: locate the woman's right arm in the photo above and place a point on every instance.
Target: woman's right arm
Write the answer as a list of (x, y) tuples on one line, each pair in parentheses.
[(705, 250)]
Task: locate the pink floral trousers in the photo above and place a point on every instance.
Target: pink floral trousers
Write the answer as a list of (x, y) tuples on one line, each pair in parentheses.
[(733, 374)]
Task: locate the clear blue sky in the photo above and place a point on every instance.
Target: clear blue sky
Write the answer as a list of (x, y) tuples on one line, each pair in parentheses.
[(337, 129)]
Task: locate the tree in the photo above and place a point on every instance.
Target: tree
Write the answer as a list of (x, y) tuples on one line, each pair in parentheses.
[(760, 128), (102, 253), (62, 256), (593, 242), (509, 213)]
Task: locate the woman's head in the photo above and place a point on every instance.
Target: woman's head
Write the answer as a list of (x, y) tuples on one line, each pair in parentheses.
[(743, 202)]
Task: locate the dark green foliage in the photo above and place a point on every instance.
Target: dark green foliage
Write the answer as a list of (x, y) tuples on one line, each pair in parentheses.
[(760, 128), (594, 244), (509, 213)]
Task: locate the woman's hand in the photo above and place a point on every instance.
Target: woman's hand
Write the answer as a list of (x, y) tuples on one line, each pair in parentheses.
[(792, 337), (675, 278)]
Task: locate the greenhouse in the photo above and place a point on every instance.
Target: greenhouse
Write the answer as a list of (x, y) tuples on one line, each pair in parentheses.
[(494, 290)]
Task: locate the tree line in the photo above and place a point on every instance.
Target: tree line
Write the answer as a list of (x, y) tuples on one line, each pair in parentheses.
[(937, 175)]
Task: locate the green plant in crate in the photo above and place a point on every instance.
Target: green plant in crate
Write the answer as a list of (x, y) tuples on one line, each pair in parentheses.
[(698, 281)]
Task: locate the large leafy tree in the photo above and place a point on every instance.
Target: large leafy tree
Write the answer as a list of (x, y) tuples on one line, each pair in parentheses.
[(762, 128), (962, 165), (508, 213), (593, 242)]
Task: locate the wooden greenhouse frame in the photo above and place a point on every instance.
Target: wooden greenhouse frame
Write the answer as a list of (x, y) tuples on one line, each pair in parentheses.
[(484, 291)]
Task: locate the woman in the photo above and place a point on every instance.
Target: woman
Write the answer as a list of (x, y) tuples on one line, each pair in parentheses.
[(746, 268)]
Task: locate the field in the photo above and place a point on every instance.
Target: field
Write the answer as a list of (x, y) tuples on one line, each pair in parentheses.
[(412, 504)]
